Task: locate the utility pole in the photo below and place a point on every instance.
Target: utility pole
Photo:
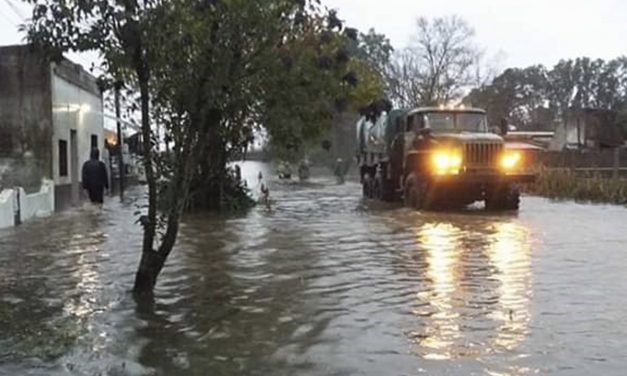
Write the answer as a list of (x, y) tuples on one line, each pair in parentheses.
[(117, 86)]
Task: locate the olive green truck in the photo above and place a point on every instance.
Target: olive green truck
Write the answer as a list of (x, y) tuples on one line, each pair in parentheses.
[(436, 157)]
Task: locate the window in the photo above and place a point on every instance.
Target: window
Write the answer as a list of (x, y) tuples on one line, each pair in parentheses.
[(94, 142), (62, 158), (471, 122), (459, 121), (409, 126), (440, 121)]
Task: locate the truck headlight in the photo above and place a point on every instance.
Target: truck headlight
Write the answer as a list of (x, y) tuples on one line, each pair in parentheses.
[(510, 160), (446, 161)]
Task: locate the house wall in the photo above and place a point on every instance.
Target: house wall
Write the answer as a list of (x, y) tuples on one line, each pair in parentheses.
[(77, 106), (589, 128), (25, 118)]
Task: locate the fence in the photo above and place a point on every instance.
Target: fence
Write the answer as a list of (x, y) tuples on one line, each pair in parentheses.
[(603, 163), (7, 208), (609, 158), (17, 206)]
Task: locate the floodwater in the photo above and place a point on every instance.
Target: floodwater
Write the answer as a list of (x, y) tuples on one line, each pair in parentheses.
[(322, 283)]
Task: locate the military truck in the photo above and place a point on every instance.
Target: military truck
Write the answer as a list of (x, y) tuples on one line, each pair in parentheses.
[(436, 157)]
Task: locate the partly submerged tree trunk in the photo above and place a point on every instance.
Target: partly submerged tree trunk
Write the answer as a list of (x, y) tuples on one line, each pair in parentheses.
[(153, 260), (151, 263)]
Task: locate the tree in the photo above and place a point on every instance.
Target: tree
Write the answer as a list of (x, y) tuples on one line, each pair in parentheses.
[(536, 97), (440, 63), (287, 78), (208, 73), (122, 33), (376, 50), (327, 74), (515, 94)]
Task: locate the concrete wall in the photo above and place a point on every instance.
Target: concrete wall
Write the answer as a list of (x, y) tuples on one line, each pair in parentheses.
[(25, 118), (31, 205), (7, 208), (37, 205)]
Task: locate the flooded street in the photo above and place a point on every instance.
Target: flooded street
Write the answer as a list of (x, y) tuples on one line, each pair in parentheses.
[(322, 283)]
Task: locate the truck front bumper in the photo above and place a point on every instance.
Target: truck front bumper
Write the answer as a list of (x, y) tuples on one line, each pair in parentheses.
[(483, 178)]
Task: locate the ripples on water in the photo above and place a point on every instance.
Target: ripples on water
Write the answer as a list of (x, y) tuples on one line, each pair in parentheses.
[(322, 283)]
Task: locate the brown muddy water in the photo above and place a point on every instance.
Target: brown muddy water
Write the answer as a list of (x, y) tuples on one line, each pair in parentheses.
[(322, 283)]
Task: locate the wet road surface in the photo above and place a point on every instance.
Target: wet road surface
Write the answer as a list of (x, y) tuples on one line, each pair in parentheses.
[(322, 283)]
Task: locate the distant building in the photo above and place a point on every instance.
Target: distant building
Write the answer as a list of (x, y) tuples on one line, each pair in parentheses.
[(131, 155), (588, 129), (339, 141), (51, 115)]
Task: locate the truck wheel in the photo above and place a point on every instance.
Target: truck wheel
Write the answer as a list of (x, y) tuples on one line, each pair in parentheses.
[(506, 198), (366, 185), (416, 193)]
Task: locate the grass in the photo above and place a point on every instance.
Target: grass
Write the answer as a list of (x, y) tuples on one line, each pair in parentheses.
[(566, 184)]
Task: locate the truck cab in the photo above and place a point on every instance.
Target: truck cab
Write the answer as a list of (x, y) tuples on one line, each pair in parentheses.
[(439, 157)]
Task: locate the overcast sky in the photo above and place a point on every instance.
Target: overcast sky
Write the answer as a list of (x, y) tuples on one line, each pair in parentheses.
[(521, 32)]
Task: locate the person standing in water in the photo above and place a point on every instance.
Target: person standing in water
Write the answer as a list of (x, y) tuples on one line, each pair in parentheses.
[(339, 170), (95, 179)]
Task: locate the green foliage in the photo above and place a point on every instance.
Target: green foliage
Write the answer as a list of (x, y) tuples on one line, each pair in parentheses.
[(515, 94), (376, 50), (209, 74), (535, 97), (322, 74)]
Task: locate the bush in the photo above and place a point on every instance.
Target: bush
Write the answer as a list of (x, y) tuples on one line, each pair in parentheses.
[(566, 184)]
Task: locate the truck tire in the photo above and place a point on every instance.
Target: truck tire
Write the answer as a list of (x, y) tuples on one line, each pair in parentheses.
[(416, 191), (503, 199), (384, 189)]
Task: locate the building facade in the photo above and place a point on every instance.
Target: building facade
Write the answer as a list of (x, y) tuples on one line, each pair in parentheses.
[(588, 128), (51, 116)]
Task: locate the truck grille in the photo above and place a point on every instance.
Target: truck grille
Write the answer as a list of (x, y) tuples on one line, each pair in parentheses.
[(484, 154)]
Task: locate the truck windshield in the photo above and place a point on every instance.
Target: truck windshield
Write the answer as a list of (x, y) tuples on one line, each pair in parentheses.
[(462, 121)]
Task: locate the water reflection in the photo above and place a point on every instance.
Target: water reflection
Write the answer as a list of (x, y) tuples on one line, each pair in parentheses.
[(478, 291), (442, 257), (510, 254), (86, 275)]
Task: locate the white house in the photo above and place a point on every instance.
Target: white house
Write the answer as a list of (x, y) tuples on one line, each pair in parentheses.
[(51, 116)]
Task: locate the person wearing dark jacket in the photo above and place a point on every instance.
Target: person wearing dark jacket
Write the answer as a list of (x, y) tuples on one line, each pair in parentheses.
[(95, 179)]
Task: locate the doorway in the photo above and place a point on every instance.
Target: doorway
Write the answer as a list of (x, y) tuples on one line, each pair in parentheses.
[(74, 167)]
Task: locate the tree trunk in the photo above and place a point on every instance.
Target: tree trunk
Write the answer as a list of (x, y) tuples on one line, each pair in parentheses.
[(149, 268), (150, 264)]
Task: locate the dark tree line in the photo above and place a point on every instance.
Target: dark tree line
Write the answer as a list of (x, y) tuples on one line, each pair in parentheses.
[(536, 97)]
